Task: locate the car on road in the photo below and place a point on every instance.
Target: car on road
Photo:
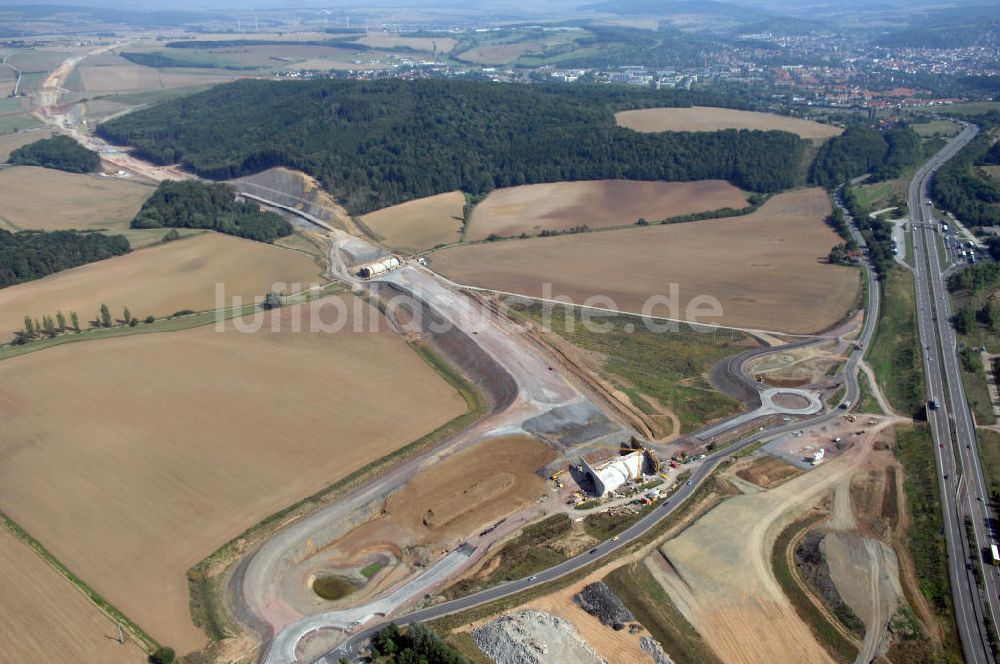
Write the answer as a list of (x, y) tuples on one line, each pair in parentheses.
[(615, 538), (532, 578), (594, 550)]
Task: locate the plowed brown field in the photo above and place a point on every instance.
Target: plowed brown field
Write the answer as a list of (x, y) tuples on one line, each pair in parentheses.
[(597, 204), (768, 269), (131, 459)]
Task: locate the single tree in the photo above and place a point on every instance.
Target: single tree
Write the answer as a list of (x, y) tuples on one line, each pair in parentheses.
[(149, 319), (75, 320), (29, 327), (48, 326), (132, 322), (127, 316), (163, 655), (60, 321), (105, 316), (38, 327)]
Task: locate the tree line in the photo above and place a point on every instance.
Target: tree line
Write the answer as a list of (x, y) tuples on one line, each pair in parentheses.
[(59, 152), (876, 232), (216, 206), (862, 149), (28, 255), (378, 143), (961, 188), (49, 327)]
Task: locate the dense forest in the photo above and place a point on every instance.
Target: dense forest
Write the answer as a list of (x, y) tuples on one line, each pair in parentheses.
[(960, 187), (861, 149), (191, 204), (60, 152), (28, 255), (378, 143)]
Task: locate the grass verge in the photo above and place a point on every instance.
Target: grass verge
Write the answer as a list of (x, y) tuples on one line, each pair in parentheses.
[(893, 352), (828, 636), (915, 451)]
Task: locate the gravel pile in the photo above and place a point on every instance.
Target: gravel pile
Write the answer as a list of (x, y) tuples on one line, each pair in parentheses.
[(601, 602), (533, 637), (653, 648)]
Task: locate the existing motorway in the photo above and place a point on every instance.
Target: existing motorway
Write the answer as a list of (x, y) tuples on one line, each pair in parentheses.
[(960, 474), (350, 649)]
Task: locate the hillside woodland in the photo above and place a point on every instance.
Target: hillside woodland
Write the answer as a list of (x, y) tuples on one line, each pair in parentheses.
[(378, 143), (31, 255), (190, 204)]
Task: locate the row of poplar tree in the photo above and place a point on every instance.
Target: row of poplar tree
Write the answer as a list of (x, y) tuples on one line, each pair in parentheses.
[(49, 327)]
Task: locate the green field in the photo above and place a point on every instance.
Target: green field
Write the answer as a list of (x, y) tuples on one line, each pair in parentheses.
[(945, 128), (11, 123), (970, 108), (893, 353), (668, 367)]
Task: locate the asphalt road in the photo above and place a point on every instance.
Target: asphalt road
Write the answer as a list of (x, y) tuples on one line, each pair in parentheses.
[(960, 474), (350, 648)]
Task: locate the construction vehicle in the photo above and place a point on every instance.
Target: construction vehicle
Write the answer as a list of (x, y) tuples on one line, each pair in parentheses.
[(554, 476)]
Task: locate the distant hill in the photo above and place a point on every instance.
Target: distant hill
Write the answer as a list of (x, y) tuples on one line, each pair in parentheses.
[(374, 144)]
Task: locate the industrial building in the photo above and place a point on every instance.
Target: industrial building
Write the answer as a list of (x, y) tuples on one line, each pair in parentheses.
[(616, 472)]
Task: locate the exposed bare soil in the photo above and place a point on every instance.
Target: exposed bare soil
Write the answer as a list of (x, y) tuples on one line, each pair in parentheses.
[(597, 203), (43, 617), (767, 471), (718, 571), (134, 458), (704, 118), (768, 269), (160, 280), (420, 224), (446, 501)]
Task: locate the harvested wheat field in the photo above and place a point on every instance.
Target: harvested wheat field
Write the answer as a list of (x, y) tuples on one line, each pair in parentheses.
[(420, 224), (160, 280), (43, 617), (597, 203), (10, 142), (390, 40), (71, 200), (706, 118), (768, 269), (151, 451), (719, 573)]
